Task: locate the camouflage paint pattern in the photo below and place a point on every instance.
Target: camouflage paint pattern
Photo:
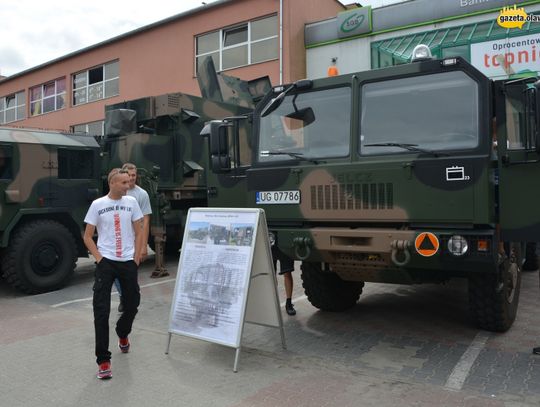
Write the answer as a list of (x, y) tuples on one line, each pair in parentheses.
[(219, 87), (34, 187)]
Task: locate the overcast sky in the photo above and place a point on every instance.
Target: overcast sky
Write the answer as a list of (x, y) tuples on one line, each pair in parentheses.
[(35, 31)]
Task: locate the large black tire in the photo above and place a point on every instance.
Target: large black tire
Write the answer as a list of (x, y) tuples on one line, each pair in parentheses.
[(41, 257), (494, 299), (328, 292)]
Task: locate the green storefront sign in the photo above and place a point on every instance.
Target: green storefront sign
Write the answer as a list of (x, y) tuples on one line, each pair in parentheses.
[(354, 22)]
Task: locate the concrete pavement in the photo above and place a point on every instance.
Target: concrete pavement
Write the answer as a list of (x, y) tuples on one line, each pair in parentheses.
[(398, 346)]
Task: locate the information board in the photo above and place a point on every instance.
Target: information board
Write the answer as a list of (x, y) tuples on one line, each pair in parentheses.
[(225, 277)]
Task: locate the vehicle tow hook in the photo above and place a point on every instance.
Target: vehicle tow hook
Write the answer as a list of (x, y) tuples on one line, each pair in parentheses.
[(302, 245), (401, 248)]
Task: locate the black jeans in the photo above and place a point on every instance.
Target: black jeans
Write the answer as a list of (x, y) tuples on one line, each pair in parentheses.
[(106, 271)]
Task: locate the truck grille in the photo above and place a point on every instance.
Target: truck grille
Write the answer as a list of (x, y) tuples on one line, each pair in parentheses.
[(352, 196)]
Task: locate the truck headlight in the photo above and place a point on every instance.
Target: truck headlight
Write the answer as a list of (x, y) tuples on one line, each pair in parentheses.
[(458, 245)]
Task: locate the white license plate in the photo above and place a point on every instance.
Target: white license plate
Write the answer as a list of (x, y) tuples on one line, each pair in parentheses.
[(277, 197)]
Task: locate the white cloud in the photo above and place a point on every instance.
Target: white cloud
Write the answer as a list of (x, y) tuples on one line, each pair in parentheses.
[(11, 59), (33, 32)]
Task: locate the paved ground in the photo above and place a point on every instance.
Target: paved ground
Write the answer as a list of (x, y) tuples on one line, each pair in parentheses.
[(406, 346)]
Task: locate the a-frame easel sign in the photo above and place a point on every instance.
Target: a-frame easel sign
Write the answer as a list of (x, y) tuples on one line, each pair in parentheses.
[(225, 278)]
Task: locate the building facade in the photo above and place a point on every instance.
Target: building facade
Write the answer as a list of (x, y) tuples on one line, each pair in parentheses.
[(245, 38), (365, 38)]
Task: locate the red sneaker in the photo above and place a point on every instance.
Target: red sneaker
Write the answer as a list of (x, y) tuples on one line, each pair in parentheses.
[(123, 344), (104, 371)]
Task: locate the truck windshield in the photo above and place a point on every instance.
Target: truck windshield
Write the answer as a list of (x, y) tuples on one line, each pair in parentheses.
[(307, 125), (432, 112)]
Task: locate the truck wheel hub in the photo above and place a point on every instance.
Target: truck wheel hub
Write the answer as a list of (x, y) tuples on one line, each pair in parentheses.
[(44, 258)]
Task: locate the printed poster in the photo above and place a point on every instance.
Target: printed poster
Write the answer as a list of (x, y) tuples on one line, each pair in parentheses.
[(213, 275)]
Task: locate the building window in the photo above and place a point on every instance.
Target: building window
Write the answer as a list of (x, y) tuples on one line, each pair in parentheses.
[(97, 83), (235, 47), (90, 129), (48, 97), (249, 43), (12, 107)]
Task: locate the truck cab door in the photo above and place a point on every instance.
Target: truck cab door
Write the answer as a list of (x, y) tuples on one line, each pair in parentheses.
[(230, 158), (517, 161)]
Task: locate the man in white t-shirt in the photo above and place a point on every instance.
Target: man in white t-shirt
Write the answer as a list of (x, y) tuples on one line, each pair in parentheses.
[(144, 203), (118, 220)]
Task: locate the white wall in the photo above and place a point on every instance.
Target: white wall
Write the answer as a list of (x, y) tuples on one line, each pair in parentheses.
[(353, 56)]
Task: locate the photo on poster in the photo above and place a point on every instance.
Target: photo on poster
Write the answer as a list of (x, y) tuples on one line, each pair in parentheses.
[(241, 234), (198, 232), (219, 233)]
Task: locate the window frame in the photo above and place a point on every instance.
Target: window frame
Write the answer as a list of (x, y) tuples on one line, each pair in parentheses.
[(42, 97), (388, 151), (4, 109), (343, 90), (87, 84), (222, 48)]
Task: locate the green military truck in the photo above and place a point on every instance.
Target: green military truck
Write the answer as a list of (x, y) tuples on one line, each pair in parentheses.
[(393, 175), (47, 181)]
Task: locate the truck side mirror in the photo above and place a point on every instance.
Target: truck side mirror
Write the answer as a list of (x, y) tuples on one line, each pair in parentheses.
[(218, 141), (218, 145)]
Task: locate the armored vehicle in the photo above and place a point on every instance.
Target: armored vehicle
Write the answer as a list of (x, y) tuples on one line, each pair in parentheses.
[(47, 181), (408, 174)]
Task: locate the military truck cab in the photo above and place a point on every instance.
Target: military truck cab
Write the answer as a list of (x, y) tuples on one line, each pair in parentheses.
[(391, 175), (47, 181)]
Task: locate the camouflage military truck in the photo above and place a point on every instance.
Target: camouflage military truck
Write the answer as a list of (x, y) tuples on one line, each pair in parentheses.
[(47, 181), (391, 175)]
